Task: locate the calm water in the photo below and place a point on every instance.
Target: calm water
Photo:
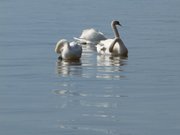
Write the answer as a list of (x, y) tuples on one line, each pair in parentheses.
[(40, 95)]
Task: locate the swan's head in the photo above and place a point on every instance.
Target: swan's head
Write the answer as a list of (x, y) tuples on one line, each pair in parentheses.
[(60, 44), (113, 23)]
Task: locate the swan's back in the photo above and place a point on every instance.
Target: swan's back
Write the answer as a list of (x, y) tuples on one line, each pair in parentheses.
[(92, 35), (75, 50)]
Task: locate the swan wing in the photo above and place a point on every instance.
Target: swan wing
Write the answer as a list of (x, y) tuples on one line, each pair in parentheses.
[(103, 46), (91, 36)]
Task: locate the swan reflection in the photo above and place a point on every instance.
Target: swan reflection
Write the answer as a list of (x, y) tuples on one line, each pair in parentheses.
[(110, 67), (66, 68), (83, 101), (105, 67), (103, 60)]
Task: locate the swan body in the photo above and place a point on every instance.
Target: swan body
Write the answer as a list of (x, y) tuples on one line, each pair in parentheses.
[(105, 47), (114, 46), (90, 36), (68, 51)]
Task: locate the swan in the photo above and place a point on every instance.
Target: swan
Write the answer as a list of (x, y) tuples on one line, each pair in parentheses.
[(68, 51), (114, 47), (90, 36)]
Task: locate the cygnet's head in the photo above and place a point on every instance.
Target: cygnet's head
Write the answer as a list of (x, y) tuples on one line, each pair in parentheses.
[(114, 22)]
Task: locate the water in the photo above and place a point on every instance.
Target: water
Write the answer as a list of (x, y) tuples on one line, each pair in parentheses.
[(97, 95)]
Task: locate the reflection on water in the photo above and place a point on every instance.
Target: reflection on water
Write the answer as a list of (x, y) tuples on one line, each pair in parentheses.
[(69, 68), (88, 110), (85, 106), (110, 67), (73, 127), (106, 67), (67, 93), (103, 60)]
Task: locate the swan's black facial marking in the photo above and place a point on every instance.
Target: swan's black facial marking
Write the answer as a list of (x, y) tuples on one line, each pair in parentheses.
[(118, 23)]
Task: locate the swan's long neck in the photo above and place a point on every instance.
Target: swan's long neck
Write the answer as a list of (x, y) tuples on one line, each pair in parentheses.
[(115, 30), (112, 44), (124, 50), (61, 46), (67, 46), (57, 48)]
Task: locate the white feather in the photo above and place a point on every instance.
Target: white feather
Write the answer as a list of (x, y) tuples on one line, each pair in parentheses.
[(103, 47), (68, 51), (90, 36)]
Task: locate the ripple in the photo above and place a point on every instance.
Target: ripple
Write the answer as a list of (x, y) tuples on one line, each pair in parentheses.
[(68, 93), (99, 104), (81, 127), (92, 65), (69, 68), (64, 92)]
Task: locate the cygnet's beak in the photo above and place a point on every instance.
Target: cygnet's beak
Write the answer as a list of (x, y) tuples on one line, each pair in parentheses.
[(118, 23)]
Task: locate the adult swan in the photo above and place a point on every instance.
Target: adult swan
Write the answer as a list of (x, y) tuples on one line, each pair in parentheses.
[(114, 47), (68, 51)]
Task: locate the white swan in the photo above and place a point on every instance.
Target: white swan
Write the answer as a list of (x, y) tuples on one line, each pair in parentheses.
[(68, 51), (90, 36), (114, 46)]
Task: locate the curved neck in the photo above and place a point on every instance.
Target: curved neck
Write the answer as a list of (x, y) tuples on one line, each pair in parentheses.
[(124, 51), (112, 44), (57, 48), (115, 30), (61, 46)]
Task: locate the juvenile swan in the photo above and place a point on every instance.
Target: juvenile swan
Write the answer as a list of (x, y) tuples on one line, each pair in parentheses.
[(68, 51), (90, 36), (114, 46)]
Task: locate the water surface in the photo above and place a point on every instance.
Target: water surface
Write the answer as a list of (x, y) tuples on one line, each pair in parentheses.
[(97, 95)]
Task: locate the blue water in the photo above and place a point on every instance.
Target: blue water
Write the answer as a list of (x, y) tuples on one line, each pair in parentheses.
[(40, 95)]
